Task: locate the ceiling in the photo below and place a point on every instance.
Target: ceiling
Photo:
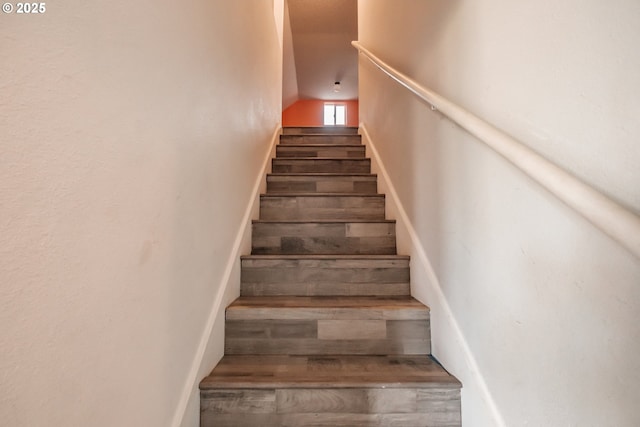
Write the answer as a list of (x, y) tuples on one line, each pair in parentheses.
[(322, 32)]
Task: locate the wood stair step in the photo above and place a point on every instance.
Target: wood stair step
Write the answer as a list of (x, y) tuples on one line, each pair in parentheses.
[(320, 130), (348, 237), (324, 275), (327, 325), (295, 206), (322, 183), (320, 164), (270, 391), (321, 150), (325, 332), (328, 371), (328, 308), (335, 139)]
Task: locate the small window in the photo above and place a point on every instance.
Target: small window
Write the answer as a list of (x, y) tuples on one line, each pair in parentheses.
[(335, 114)]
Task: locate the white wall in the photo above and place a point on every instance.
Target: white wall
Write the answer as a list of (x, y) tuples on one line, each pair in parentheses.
[(289, 73), (535, 310), (132, 136)]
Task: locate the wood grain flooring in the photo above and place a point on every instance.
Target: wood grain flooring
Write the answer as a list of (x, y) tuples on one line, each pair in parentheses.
[(318, 206), (320, 139), (327, 325), (330, 390), (322, 183), (321, 150), (325, 275), (320, 165), (356, 237), (325, 332), (324, 371), (320, 130)]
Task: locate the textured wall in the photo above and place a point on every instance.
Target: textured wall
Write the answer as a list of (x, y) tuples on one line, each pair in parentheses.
[(547, 306), (131, 136)]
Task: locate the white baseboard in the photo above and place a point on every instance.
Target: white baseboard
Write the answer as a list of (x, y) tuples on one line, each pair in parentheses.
[(450, 346), (243, 235)]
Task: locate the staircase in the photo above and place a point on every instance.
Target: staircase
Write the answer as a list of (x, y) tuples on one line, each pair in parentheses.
[(325, 332)]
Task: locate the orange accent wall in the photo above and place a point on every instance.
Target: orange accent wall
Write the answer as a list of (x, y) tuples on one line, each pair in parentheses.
[(309, 112)]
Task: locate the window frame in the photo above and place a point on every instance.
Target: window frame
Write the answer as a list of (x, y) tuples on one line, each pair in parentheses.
[(334, 106)]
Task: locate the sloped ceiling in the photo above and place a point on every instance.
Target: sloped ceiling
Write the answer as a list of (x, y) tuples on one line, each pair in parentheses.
[(289, 75), (322, 32)]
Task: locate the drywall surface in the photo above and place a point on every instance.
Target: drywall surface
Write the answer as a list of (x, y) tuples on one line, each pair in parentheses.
[(310, 112), (546, 305), (322, 32), (132, 133), (289, 73)]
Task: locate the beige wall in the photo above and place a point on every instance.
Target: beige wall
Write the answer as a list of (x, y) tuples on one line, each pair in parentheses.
[(535, 310), (132, 136)]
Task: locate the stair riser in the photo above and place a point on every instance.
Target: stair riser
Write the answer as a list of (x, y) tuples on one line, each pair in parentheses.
[(324, 238), (320, 130), (321, 184), (324, 289), (358, 407), (313, 151), (324, 277), (322, 207), (320, 139), (325, 332), (359, 334), (283, 165)]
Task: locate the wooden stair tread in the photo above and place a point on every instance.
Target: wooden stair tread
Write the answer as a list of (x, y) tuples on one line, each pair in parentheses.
[(320, 134), (319, 130), (323, 302), (319, 149), (321, 164), (328, 371), (322, 145), (357, 159), (325, 257), (323, 133), (328, 128), (315, 194), (337, 138), (327, 183), (321, 174), (323, 221)]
